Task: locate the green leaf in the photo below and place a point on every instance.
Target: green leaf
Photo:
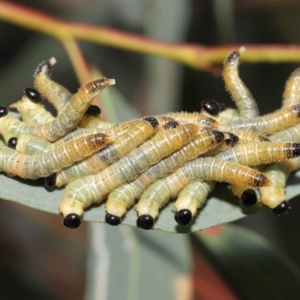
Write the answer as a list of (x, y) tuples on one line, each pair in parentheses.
[(249, 263)]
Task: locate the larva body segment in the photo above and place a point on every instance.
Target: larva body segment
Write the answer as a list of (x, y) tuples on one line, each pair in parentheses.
[(32, 167), (196, 118), (242, 97), (82, 192), (191, 198), (32, 145), (289, 134), (277, 173), (291, 95), (211, 169), (138, 133), (52, 91), (254, 154), (32, 113), (94, 122), (122, 197), (73, 112), (268, 124)]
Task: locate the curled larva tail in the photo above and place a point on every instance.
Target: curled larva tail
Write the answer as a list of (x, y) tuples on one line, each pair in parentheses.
[(41, 165), (291, 95), (242, 97)]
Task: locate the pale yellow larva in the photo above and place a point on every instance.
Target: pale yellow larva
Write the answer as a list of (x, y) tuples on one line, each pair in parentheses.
[(291, 94)]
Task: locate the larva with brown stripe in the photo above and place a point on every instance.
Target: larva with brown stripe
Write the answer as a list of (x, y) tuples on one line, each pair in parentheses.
[(35, 166), (124, 196), (83, 192), (212, 169)]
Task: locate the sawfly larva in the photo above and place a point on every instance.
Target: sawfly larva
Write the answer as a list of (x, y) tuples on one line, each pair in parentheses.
[(83, 192), (212, 169), (124, 196), (242, 97), (291, 94)]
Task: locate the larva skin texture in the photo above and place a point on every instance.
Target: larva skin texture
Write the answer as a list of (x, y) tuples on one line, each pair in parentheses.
[(291, 95), (138, 133), (242, 97), (36, 166), (82, 192), (289, 134), (212, 169), (32, 113), (254, 154), (55, 93), (191, 198), (268, 124), (31, 145), (122, 197)]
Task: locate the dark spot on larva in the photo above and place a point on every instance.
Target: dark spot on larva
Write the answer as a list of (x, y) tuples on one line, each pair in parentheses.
[(72, 221), (3, 111), (112, 220), (93, 110), (145, 222), (233, 139), (211, 107), (152, 120), (296, 109), (33, 95), (296, 150), (171, 124), (232, 57), (261, 180), (50, 182), (183, 217), (12, 142), (248, 198), (219, 135), (41, 66), (282, 208)]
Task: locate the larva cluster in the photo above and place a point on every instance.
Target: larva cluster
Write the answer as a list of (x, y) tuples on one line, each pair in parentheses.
[(155, 158)]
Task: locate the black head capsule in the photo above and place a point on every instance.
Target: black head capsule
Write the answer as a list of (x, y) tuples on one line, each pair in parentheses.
[(145, 222), (219, 135), (12, 142), (282, 208), (72, 221), (183, 217), (93, 110), (152, 120), (112, 220), (50, 182), (248, 198), (211, 106), (3, 111), (171, 124), (33, 95)]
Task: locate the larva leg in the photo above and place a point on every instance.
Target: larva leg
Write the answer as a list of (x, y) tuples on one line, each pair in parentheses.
[(291, 95), (212, 169), (32, 167), (31, 111), (122, 197), (138, 133), (268, 124), (242, 97), (191, 198), (83, 192)]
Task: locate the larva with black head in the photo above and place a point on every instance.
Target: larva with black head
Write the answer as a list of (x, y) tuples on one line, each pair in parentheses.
[(240, 94), (212, 169), (83, 192), (212, 107), (191, 198), (123, 197)]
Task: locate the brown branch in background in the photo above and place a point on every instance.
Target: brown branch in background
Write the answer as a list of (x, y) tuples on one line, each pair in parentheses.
[(196, 56)]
